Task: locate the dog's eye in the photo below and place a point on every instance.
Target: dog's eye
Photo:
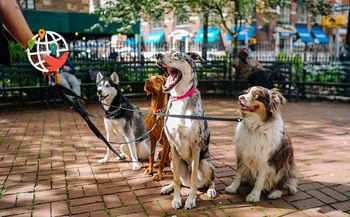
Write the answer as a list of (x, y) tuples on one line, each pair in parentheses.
[(108, 85), (100, 85)]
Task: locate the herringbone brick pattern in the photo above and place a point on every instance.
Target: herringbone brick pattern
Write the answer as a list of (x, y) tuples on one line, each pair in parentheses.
[(48, 167)]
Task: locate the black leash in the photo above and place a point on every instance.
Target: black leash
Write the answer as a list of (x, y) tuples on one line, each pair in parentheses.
[(193, 117), (81, 111), (77, 106)]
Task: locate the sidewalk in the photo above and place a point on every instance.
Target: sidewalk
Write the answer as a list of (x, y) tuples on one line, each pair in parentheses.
[(48, 167)]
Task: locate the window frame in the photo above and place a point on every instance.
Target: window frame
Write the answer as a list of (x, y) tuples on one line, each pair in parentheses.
[(300, 16), (26, 4), (285, 15)]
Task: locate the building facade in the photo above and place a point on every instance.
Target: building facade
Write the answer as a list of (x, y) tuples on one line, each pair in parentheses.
[(72, 19), (283, 30)]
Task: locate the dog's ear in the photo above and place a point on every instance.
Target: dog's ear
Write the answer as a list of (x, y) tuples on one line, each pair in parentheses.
[(276, 99), (115, 78), (99, 76), (196, 57)]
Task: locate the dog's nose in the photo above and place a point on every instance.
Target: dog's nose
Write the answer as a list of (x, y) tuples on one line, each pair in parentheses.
[(241, 97), (99, 92), (158, 55)]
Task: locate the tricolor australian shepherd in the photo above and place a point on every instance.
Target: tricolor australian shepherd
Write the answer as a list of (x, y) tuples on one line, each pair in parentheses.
[(264, 151)]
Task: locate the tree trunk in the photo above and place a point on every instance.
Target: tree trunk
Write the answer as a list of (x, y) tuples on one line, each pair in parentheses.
[(234, 42), (205, 36)]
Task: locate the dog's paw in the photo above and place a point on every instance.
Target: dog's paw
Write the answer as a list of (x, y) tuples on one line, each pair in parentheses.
[(275, 194), (136, 166), (157, 177), (190, 203), (167, 189), (176, 203), (103, 161), (211, 193), (156, 165), (122, 157), (253, 197), (292, 189), (231, 189), (148, 171)]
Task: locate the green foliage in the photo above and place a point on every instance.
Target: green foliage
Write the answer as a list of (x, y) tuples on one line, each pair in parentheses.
[(282, 57), (17, 52), (221, 12)]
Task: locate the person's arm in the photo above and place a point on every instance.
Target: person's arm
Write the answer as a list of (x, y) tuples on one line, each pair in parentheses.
[(68, 67), (258, 65), (14, 21)]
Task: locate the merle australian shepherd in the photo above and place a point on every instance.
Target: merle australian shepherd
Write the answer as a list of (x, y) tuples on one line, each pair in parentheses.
[(264, 151)]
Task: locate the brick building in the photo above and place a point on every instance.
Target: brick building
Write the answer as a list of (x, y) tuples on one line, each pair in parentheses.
[(71, 19), (282, 30), (61, 5)]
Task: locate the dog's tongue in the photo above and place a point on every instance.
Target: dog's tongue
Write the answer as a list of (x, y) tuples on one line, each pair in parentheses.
[(247, 108), (169, 81)]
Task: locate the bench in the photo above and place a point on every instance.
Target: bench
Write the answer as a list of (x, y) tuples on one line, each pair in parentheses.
[(213, 78), (280, 74), (132, 75), (21, 83)]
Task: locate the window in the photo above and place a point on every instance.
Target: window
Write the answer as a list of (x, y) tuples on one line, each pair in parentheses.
[(285, 15), (301, 14), (318, 20), (106, 3), (157, 24), (27, 4), (181, 22)]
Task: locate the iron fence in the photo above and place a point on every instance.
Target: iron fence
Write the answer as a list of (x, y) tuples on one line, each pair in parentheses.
[(313, 69)]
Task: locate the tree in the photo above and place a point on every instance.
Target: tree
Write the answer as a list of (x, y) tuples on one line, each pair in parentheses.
[(221, 12)]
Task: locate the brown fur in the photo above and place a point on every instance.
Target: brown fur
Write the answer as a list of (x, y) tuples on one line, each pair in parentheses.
[(159, 100), (269, 103), (257, 140)]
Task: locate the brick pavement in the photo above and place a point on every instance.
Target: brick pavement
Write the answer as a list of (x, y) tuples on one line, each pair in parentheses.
[(48, 167)]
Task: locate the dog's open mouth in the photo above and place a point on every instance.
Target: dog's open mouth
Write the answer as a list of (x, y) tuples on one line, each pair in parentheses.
[(101, 98), (246, 108), (174, 76)]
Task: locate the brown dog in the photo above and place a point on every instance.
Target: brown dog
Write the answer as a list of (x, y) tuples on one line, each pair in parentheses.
[(154, 86)]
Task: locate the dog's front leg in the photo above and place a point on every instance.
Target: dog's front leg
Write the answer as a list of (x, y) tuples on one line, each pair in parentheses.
[(163, 160), (191, 200), (176, 203), (254, 196), (232, 189), (110, 137), (149, 170), (133, 152)]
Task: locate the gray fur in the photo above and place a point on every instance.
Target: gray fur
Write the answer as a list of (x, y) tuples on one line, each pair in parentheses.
[(122, 124), (189, 139)]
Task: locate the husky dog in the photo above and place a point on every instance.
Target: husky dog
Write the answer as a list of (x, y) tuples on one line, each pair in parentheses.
[(121, 123), (189, 139)]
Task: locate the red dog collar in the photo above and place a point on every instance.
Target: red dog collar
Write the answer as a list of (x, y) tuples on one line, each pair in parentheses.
[(189, 93)]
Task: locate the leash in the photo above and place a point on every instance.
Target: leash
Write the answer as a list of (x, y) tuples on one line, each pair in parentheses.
[(193, 117), (77, 106), (81, 111)]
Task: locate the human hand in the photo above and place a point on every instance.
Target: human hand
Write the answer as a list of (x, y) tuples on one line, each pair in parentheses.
[(66, 68)]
